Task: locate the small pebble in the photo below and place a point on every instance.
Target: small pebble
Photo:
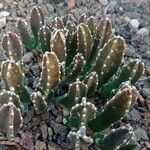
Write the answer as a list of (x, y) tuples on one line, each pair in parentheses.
[(2, 22), (40, 145), (8, 2), (146, 92), (103, 2), (44, 130), (51, 148), (143, 32), (130, 50), (4, 14), (50, 133), (134, 23), (121, 8), (147, 144), (27, 57), (40, 1), (127, 19), (1, 5), (50, 7), (113, 3)]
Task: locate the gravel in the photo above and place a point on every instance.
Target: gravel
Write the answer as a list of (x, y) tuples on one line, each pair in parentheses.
[(146, 92), (140, 134), (57, 127), (134, 115)]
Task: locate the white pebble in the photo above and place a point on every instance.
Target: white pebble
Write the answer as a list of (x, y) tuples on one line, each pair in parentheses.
[(2, 22), (134, 23), (143, 31), (1, 5), (4, 14)]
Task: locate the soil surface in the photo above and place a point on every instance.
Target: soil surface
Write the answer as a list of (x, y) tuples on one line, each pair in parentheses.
[(130, 19)]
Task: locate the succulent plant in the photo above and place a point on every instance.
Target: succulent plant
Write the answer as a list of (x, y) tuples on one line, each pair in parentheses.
[(118, 105), (36, 22), (83, 58), (9, 96), (129, 72), (76, 91), (13, 78), (80, 114), (39, 102), (85, 114), (115, 139), (50, 74), (79, 139), (12, 46), (10, 119)]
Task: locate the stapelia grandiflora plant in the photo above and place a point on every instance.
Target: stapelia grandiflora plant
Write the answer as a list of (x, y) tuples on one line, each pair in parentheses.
[(79, 58)]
